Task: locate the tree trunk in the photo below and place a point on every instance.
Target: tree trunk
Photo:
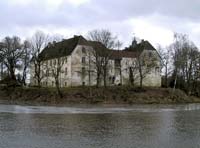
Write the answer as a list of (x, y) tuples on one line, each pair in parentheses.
[(175, 81), (166, 78), (1, 71), (120, 75), (39, 82), (104, 78), (141, 82), (12, 73), (141, 76), (98, 80), (58, 89), (24, 77)]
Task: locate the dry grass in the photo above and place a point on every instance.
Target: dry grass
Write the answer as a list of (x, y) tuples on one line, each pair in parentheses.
[(87, 95)]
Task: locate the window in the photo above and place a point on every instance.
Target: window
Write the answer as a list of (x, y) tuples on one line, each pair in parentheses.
[(65, 84), (66, 71), (50, 62), (52, 83), (157, 70), (110, 79), (63, 61), (47, 73), (83, 50), (113, 80), (83, 71), (55, 62), (150, 54), (52, 72), (66, 60), (83, 60)]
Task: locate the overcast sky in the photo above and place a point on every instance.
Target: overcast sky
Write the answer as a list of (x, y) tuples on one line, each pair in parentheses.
[(153, 20)]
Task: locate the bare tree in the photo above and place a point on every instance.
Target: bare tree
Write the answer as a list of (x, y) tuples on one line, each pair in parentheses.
[(38, 42), (133, 72), (165, 62), (11, 53), (26, 59), (104, 36), (110, 42), (57, 70), (96, 59), (145, 63), (2, 67), (184, 53), (1, 60)]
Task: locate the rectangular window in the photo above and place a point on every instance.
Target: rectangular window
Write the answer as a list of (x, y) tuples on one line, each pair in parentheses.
[(55, 61), (157, 70), (50, 62), (83, 60), (52, 72), (63, 61), (66, 60), (65, 84), (150, 54), (66, 71), (47, 73), (83, 50), (83, 71)]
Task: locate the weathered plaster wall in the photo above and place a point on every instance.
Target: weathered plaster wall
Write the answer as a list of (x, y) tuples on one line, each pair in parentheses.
[(75, 65)]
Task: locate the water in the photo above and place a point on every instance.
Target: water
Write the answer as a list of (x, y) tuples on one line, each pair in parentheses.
[(141, 126)]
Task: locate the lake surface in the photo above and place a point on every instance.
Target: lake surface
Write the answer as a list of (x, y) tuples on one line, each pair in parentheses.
[(141, 126)]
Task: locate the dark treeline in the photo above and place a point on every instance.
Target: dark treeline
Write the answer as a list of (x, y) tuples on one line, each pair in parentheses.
[(17, 54), (181, 65)]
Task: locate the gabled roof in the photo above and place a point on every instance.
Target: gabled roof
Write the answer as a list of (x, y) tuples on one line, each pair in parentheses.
[(144, 45), (119, 54), (66, 47), (99, 48), (63, 48)]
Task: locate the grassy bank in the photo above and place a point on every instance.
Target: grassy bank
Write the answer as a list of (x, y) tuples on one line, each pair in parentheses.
[(85, 95)]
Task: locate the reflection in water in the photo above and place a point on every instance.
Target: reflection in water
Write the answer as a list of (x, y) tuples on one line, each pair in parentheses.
[(100, 127)]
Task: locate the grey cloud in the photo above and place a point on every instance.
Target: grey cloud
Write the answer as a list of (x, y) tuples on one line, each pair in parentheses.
[(113, 10), (176, 8), (171, 14)]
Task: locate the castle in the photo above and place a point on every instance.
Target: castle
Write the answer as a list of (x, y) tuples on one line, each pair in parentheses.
[(79, 64)]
